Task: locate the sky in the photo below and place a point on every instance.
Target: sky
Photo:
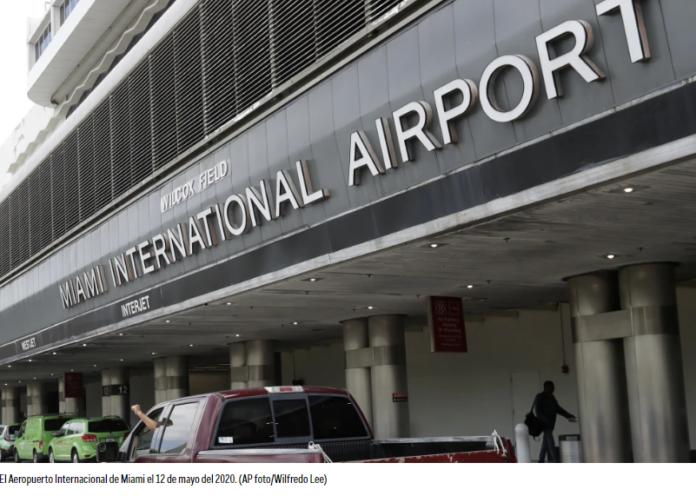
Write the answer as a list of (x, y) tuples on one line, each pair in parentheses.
[(14, 103)]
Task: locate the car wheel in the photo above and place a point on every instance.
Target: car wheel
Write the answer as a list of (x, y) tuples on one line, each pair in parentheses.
[(16, 457), (51, 457), (36, 457), (75, 457)]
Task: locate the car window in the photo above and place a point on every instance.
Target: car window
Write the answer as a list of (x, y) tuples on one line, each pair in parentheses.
[(244, 422), (53, 425), (178, 429), (78, 428), (13, 430), (144, 435), (63, 430), (335, 417), (292, 418), (107, 425), (23, 429)]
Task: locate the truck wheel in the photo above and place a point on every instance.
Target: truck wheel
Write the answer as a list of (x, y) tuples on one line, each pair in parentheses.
[(16, 457), (51, 457), (75, 457), (35, 457)]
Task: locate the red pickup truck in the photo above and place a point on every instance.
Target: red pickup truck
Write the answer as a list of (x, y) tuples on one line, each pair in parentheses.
[(285, 425)]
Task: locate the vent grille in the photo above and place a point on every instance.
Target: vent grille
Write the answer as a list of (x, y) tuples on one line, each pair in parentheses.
[(221, 59)]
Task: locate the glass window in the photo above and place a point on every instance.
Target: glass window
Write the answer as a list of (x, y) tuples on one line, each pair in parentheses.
[(144, 435), (63, 430), (178, 429), (78, 428), (107, 425), (335, 417), (13, 430), (244, 422), (70, 428), (52, 425), (292, 418), (66, 9), (44, 41)]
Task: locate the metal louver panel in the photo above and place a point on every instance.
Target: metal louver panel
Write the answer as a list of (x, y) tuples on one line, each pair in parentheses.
[(221, 59), (188, 82), (163, 106), (85, 140), (102, 155)]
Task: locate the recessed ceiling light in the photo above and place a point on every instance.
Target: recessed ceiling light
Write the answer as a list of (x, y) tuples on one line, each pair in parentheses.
[(236, 335), (20, 382), (191, 345), (95, 364), (9, 366), (153, 352), (470, 286), (121, 359), (313, 279), (30, 359), (434, 245), (120, 334), (72, 370), (51, 375), (34, 378), (295, 323), (370, 308), (228, 303), (84, 344), (628, 190), (55, 353), (167, 321), (611, 257)]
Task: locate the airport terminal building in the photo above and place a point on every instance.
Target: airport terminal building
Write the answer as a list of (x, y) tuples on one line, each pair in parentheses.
[(435, 204)]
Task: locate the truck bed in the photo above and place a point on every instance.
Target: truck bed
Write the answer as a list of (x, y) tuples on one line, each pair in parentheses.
[(485, 449)]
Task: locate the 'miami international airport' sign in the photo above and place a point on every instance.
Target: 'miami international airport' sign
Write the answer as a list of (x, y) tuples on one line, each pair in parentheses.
[(243, 211)]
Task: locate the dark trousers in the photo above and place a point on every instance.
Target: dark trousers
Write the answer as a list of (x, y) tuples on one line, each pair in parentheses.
[(548, 446)]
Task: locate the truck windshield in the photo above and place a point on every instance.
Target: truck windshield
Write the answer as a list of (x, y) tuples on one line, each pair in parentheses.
[(107, 425), (53, 425), (335, 417)]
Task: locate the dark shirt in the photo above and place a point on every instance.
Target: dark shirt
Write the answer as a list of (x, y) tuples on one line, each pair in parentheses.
[(546, 408)]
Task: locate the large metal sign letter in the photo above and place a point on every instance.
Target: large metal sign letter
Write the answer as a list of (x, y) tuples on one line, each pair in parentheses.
[(632, 15), (469, 93), (584, 39), (530, 80)]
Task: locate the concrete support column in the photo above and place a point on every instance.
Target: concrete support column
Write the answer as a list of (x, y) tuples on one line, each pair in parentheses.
[(657, 398), (390, 413), (36, 399), (115, 401), (239, 373), (10, 406), (160, 365), (602, 392), (356, 342), (61, 395), (260, 363), (177, 377)]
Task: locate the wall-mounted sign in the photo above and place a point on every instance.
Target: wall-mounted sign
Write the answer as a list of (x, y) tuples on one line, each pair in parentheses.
[(399, 397), (28, 344), (135, 307), (446, 321), (193, 187), (115, 390), (73, 385), (397, 137)]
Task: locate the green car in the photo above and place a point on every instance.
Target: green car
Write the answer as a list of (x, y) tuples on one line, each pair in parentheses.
[(8, 433), (77, 440), (35, 435)]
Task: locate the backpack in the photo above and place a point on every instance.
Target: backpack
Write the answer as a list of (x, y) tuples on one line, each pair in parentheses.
[(536, 428)]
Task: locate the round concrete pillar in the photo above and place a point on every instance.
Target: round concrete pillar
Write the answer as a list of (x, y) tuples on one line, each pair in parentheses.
[(10, 406), (602, 394), (238, 367), (261, 364), (61, 395), (358, 376), (177, 377), (656, 391), (390, 413), (36, 399), (160, 366)]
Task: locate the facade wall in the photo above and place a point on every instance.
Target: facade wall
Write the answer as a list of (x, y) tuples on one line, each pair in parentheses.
[(457, 40)]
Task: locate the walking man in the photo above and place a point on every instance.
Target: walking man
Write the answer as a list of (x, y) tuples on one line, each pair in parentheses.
[(546, 409)]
